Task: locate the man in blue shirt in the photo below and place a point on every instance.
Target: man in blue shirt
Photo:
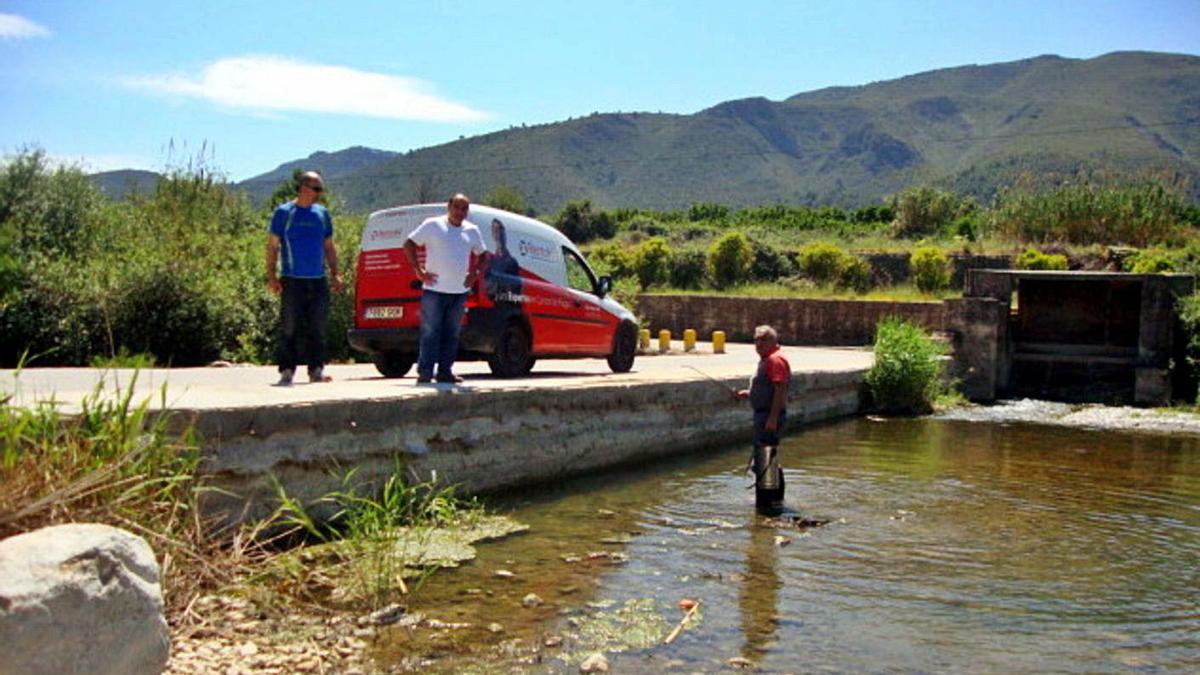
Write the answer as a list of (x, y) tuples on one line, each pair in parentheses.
[(301, 233)]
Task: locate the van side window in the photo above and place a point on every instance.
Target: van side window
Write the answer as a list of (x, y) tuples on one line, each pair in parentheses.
[(579, 277)]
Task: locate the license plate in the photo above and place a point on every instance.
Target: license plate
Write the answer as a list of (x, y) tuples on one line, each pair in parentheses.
[(384, 312)]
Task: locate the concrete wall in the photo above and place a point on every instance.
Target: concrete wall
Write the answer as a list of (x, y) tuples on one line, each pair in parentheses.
[(798, 321), (480, 441)]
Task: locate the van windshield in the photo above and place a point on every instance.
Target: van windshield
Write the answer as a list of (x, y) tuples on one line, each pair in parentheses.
[(579, 277)]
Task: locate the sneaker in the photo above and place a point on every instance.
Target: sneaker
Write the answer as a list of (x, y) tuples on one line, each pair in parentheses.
[(424, 379), (285, 377), (449, 379), (318, 375)]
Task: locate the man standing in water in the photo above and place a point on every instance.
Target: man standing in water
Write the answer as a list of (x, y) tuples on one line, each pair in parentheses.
[(303, 231), (768, 394), (446, 277)]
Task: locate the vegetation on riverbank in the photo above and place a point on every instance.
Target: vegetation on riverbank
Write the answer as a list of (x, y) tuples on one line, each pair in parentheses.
[(121, 463), (906, 377)]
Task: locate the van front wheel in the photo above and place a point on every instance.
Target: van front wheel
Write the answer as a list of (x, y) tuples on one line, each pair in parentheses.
[(393, 364), (513, 357), (624, 348)]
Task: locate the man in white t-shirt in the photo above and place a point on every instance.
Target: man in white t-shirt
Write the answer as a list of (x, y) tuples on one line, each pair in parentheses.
[(447, 276)]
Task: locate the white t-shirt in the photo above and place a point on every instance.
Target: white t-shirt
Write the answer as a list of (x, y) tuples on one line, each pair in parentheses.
[(448, 251)]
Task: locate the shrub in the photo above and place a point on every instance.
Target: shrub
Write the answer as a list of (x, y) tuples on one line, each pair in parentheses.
[(54, 315), (708, 211), (508, 198), (1150, 261), (652, 262), (770, 263), (52, 211), (729, 259), (580, 223), (1137, 214), (1186, 374), (967, 227), (906, 375), (823, 262), (612, 259), (1033, 259), (688, 268), (930, 269), (171, 313), (856, 274), (883, 213), (925, 211)]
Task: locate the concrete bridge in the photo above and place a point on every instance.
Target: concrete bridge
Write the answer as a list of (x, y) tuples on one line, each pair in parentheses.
[(568, 417)]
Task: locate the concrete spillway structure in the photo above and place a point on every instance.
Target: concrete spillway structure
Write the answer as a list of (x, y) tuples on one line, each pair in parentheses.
[(1076, 336), (567, 418)]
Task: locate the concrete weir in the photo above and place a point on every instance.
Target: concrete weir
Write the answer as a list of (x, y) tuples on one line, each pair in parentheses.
[(566, 418)]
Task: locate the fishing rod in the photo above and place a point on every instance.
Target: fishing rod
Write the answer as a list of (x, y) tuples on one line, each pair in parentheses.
[(715, 381)]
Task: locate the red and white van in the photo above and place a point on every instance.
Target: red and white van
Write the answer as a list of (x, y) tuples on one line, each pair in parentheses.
[(537, 297)]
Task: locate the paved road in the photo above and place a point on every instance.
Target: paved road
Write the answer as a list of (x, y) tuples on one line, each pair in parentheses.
[(252, 386)]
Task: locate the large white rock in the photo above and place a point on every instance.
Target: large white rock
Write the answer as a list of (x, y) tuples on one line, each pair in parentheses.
[(80, 598)]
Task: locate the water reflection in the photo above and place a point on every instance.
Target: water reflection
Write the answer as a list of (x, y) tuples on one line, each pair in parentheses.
[(758, 595)]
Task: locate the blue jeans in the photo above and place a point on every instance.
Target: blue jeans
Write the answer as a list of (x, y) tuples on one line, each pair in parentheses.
[(303, 313), (441, 320)]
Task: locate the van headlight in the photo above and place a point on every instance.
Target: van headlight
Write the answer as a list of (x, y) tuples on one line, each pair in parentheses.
[(384, 312)]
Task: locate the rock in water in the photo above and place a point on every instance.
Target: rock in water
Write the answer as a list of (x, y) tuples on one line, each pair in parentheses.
[(80, 598), (596, 663)]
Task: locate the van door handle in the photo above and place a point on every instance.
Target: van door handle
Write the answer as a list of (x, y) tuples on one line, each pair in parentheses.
[(578, 303)]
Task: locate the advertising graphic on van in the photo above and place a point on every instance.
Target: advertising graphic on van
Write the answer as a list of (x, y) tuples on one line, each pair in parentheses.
[(536, 299)]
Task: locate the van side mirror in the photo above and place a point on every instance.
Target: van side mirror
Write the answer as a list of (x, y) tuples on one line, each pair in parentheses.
[(603, 286)]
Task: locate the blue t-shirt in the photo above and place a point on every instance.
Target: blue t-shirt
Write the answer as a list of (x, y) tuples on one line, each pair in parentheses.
[(303, 232)]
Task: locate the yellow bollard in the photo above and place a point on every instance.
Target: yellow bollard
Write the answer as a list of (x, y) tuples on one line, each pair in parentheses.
[(718, 342), (644, 339), (664, 340), (689, 340)]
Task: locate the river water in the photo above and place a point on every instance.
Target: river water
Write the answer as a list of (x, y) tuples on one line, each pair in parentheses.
[(951, 546)]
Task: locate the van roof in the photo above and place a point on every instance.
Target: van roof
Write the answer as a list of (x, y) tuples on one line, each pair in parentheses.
[(482, 215)]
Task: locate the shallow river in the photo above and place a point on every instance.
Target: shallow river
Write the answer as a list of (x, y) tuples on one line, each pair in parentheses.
[(951, 546)]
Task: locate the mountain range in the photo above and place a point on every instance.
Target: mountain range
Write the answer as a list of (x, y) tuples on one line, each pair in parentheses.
[(970, 128)]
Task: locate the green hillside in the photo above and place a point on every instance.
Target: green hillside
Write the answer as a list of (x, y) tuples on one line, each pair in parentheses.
[(332, 165), (971, 128), (123, 182)]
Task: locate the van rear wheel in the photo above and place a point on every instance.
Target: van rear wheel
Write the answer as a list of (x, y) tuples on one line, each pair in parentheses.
[(393, 364), (624, 348), (513, 356)]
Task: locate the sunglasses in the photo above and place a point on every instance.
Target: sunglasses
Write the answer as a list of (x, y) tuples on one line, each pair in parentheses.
[(316, 188)]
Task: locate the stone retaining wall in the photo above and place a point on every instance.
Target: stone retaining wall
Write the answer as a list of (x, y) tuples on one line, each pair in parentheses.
[(798, 321)]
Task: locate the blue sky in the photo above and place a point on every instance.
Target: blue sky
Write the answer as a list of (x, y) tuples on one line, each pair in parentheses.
[(151, 84)]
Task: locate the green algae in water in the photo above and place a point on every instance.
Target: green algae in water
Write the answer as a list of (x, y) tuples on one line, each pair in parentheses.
[(363, 568), (638, 624)]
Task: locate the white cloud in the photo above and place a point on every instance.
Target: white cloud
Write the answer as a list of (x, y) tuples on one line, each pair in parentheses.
[(13, 27), (263, 84)]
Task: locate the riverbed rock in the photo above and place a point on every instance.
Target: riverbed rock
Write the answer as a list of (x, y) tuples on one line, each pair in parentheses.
[(385, 616), (596, 663), (531, 600), (80, 598)]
